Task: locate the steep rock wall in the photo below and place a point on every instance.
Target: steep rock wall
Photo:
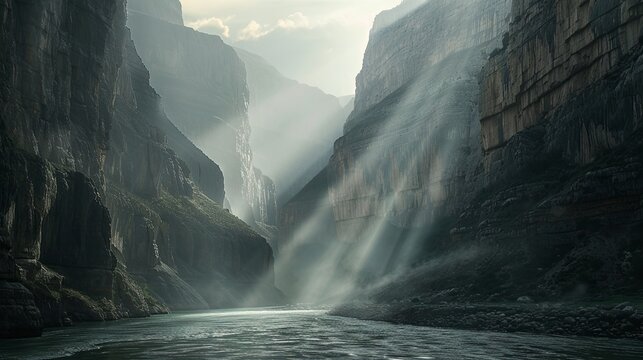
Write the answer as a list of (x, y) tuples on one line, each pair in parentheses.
[(394, 57), (58, 85), (80, 128), (166, 10), (171, 235), (202, 82), (412, 141), (58, 76), (555, 50), (554, 208)]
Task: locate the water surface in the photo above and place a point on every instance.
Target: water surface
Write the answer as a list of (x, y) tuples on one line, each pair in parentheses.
[(290, 333)]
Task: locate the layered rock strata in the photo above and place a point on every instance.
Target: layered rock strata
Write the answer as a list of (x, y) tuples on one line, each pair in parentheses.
[(203, 87), (543, 198), (100, 218), (58, 78), (166, 10), (411, 144), (554, 51)]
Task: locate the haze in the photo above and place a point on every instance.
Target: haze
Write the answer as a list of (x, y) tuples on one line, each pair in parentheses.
[(318, 42)]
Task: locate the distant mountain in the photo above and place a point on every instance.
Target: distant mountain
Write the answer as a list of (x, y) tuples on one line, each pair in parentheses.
[(293, 125)]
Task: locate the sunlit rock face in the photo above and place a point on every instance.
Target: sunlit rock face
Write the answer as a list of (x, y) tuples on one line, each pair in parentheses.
[(202, 83), (554, 210), (397, 53), (412, 141), (188, 250), (293, 125), (389, 17), (166, 10), (555, 50)]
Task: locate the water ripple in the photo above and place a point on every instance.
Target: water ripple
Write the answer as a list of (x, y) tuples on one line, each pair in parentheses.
[(298, 334)]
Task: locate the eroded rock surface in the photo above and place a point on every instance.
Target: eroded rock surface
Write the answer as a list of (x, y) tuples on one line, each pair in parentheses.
[(544, 198), (166, 10), (204, 92), (554, 51), (411, 144), (106, 209)]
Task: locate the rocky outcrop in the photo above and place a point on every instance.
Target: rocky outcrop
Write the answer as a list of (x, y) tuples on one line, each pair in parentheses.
[(157, 210), (389, 17), (99, 217), (554, 51), (293, 125), (166, 10), (58, 77), (543, 199), (53, 105), (202, 83), (398, 53), (409, 142)]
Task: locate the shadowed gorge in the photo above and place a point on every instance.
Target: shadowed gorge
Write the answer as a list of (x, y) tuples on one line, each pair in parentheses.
[(479, 196), (101, 218)]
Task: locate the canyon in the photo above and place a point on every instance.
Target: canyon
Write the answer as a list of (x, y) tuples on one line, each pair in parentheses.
[(493, 154), (490, 164), (108, 210)]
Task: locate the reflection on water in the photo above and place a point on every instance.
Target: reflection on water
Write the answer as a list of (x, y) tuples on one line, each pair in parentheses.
[(282, 333)]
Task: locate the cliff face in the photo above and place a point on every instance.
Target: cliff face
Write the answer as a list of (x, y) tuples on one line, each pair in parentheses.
[(58, 76), (166, 10), (410, 142), (166, 230), (94, 201), (555, 50), (202, 83), (53, 105), (394, 57), (546, 199), (292, 124)]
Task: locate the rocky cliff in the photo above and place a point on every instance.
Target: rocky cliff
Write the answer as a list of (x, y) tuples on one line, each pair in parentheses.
[(408, 143), (399, 52), (166, 10), (203, 87), (58, 78), (99, 216), (544, 197), (552, 56), (293, 125), (172, 236)]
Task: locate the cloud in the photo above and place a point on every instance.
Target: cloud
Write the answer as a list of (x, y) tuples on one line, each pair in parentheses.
[(211, 25), (253, 30), (294, 21)]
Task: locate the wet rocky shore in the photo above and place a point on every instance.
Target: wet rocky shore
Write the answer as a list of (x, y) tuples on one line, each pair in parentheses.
[(617, 321)]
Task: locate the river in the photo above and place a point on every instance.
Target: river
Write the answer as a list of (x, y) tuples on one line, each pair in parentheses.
[(295, 333)]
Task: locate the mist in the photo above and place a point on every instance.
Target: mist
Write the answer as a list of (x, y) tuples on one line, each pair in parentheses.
[(291, 179)]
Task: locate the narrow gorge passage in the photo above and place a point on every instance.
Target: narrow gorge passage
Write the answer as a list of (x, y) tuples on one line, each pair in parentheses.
[(431, 179)]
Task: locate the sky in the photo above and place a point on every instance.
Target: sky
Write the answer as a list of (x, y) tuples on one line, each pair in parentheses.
[(317, 42)]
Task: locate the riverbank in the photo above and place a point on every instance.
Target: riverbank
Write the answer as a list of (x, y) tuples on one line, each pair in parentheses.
[(297, 333), (621, 321)]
